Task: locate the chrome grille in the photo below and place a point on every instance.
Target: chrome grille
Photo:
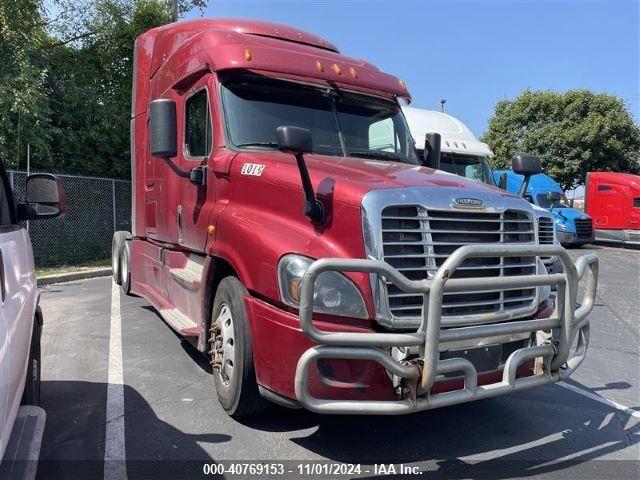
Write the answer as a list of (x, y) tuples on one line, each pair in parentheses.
[(417, 240), (545, 236), (584, 228)]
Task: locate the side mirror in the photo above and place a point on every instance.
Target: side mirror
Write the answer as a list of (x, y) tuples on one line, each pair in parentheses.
[(432, 143), (526, 165), (163, 126), (299, 141), (294, 140), (45, 198), (502, 183)]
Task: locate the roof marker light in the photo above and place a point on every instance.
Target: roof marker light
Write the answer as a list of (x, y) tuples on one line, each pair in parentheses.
[(319, 66), (337, 69), (247, 55), (402, 85), (447, 142), (353, 72), (456, 144), (464, 145)]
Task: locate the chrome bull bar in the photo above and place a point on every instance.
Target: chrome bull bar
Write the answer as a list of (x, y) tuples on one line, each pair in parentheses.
[(420, 376)]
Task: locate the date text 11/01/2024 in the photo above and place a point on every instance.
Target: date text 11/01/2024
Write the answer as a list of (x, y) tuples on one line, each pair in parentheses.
[(308, 468)]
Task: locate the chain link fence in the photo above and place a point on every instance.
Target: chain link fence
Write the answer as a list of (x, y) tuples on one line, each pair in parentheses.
[(96, 208)]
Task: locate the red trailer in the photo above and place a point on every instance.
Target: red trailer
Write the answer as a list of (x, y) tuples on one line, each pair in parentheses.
[(613, 202), (281, 220)]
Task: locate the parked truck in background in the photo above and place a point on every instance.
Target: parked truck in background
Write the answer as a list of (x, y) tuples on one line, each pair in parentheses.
[(282, 220), (462, 153), (613, 201), (21, 427), (573, 227)]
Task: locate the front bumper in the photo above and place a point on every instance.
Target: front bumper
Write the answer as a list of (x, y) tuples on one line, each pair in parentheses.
[(627, 237), (419, 376), (569, 238)]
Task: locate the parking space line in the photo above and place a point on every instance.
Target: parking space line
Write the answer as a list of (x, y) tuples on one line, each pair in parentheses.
[(114, 445), (598, 398)]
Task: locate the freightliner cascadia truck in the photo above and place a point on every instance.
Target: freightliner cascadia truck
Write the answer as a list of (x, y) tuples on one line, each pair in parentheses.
[(282, 221)]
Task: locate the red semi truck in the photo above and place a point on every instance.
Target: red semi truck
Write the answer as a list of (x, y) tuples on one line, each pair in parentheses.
[(282, 220), (613, 201)]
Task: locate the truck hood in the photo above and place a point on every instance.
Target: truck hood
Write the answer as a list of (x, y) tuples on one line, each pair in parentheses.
[(349, 179)]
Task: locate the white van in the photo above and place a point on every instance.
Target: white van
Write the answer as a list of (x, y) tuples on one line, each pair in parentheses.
[(20, 315)]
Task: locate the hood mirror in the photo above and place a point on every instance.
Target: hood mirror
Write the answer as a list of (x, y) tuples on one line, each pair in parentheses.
[(525, 165), (299, 141)]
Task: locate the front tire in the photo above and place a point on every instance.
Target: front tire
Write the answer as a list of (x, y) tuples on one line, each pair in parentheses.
[(31, 395), (234, 373)]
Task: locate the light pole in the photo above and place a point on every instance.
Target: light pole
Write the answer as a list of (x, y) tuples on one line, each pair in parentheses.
[(174, 9)]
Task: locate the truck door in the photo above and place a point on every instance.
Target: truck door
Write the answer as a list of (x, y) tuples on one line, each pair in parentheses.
[(4, 383), (17, 307), (610, 207), (197, 140)]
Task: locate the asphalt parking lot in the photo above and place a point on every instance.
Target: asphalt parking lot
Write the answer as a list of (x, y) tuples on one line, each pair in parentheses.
[(589, 429)]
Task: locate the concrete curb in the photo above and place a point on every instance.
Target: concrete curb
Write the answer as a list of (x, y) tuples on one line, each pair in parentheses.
[(81, 275)]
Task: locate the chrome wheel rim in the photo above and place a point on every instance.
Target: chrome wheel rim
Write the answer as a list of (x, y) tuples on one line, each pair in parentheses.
[(225, 345)]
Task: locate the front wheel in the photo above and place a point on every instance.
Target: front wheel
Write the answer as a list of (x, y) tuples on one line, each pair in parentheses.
[(234, 373)]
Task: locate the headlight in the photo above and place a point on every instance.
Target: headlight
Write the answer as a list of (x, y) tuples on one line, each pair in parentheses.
[(561, 226), (334, 293)]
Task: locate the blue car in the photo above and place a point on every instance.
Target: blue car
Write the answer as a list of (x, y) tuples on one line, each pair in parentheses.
[(573, 228)]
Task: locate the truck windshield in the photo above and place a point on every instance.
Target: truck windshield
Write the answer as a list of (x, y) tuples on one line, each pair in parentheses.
[(472, 167), (544, 202), (342, 123)]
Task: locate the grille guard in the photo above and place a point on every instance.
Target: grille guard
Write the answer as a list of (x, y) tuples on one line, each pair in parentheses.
[(558, 364)]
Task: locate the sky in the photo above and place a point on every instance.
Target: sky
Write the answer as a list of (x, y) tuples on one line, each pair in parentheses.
[(474, 53)]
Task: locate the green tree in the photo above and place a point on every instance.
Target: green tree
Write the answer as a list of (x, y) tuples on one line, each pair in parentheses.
[(65, 80), (573, 133), (24, 94), (91, 81)]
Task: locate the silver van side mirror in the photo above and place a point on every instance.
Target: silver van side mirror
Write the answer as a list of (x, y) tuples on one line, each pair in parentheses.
[(45, 198)]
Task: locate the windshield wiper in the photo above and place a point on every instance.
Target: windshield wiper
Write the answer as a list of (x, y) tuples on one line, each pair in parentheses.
[(376, 155), (259, 144)]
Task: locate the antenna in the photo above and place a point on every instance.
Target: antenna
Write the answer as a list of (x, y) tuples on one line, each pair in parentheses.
[(442, 102)]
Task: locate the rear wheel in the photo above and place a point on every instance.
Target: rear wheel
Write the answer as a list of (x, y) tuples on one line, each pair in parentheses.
[(117, 243), (232, 352), (31, 395)]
